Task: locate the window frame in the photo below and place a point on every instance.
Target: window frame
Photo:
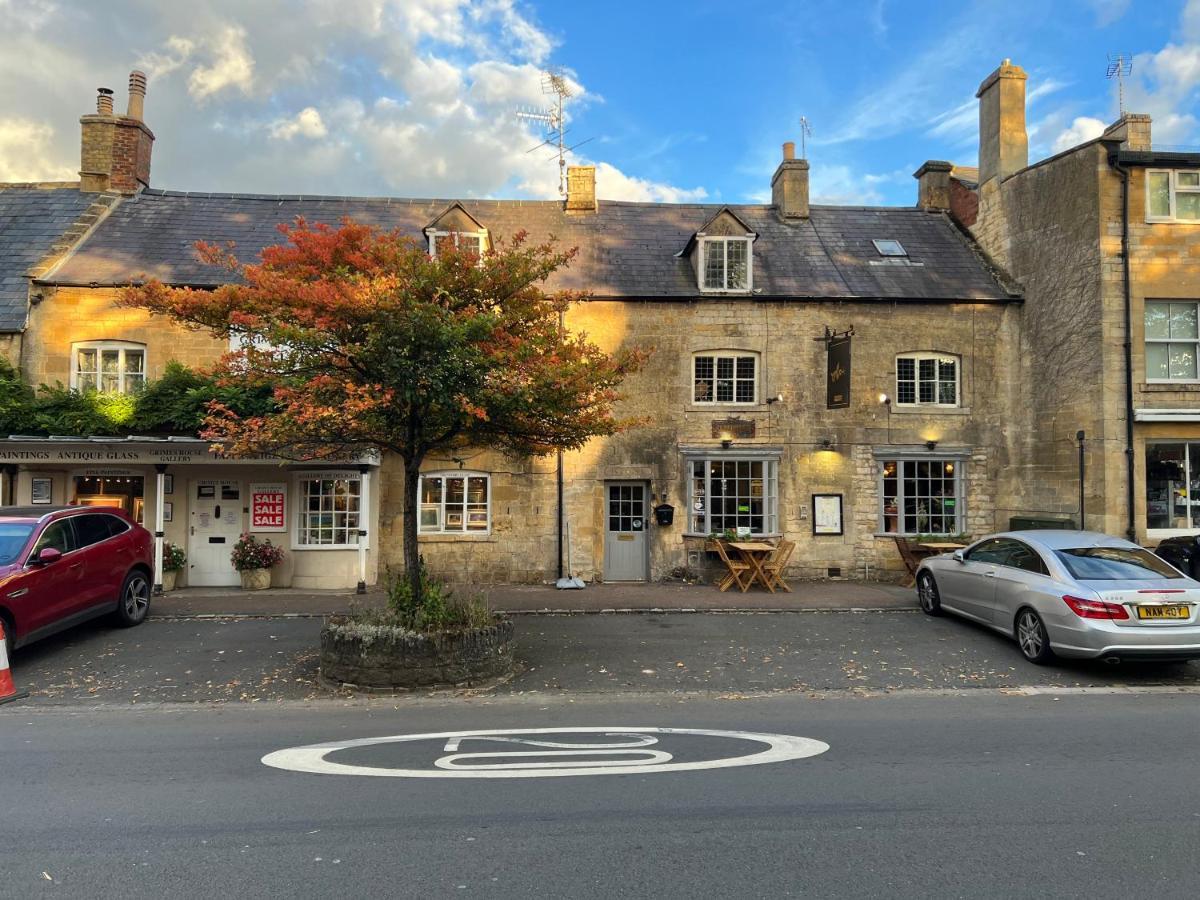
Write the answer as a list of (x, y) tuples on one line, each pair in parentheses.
[(938, 358), (705, 241), (435, 233), (734, 355), (770, 514), (441, 530), (1168, 341), (1173, 191), (100, 346), (959, 461), (301, 509)]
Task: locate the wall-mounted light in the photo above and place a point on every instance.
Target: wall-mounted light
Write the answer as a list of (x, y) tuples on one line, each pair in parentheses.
[(778, 398), (827, 443), (726, 443), (931, 446), (885, 399)]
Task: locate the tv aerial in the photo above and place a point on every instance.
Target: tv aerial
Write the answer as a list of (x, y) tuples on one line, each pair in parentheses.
[(805, 134), (554, 84), (1120, 65)]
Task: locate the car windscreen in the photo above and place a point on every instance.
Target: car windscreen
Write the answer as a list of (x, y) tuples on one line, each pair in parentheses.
[(1115, 564), (13, 536)]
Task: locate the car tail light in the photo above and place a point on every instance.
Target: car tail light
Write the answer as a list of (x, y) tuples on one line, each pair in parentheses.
[(1096, 609)]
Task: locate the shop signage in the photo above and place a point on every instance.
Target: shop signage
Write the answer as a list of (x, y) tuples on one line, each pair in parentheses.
[(268, 507), (837, 380), (149, 453), (733, 428)]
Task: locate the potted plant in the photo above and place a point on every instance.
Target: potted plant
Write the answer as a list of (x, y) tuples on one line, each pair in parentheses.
[(254, 561), (174, 559), (436, 639)]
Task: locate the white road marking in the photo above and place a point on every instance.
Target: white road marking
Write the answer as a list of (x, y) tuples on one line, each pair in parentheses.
[(779, 748)]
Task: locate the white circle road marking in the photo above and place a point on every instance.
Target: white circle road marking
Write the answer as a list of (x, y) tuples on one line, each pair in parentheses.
[(779, 748)]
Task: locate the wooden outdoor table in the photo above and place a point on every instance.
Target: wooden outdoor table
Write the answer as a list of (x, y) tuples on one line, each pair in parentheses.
[(755, 553), (943, 546)]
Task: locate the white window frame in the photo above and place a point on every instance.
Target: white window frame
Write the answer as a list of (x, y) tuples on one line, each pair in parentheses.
[(1147, 340), (301, 511), (1175, 189), (882, 458), (434, 234), (770, 497), (706, 243), (441, 506), (733, 355), (122, 347), (938, 359)]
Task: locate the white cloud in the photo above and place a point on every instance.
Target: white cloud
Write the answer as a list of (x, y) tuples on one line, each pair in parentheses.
[(1081, 130), (25, 153), (306, 123), (367, 97), (845, 186)]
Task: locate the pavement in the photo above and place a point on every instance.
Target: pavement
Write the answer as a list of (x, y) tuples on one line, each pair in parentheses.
[(980, 794), (518, 599)]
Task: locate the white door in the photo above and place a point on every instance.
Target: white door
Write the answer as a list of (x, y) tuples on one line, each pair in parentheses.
[(216, 524)]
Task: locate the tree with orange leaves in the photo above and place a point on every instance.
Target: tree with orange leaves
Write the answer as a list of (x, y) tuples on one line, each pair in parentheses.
[(369, 343)]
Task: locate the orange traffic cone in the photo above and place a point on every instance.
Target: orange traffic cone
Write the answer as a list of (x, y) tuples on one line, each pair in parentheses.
[(8, 690)]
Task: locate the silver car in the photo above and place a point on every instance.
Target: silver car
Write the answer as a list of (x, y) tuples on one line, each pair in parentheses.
[(1068, 593)]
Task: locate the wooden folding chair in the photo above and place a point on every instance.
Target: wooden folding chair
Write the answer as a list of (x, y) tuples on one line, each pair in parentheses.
[(739, 571), (912, 557), (776, 563)]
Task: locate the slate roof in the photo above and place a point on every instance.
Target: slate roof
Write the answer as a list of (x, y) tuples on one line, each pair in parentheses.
[(626, 250), (32, 219)]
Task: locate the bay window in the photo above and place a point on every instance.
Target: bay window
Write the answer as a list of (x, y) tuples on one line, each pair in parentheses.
[(455, 503), (725, 493), (329, 510), (921, 496)]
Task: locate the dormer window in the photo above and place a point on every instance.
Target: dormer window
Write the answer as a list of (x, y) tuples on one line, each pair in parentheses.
[(467, 241), (890, 248), (725, 263)]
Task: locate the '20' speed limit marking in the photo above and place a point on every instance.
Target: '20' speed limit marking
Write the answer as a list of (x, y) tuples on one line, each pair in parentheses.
[(525, 753)]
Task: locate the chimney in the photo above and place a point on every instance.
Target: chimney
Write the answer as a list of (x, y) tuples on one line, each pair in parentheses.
[(789, 185), (581, 188), (1132, 130), (933, 185), (1003, 143), (114, 149)]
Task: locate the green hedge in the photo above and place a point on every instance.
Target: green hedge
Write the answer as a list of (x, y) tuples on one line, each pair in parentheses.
[(175, 404)]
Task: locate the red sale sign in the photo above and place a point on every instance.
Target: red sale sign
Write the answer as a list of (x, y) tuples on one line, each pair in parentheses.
[(268, 507)]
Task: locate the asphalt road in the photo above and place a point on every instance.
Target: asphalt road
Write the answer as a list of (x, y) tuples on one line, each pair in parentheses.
[(271, 660), (978, 795)]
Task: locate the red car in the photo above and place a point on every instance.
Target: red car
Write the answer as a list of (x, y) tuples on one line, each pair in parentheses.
[(60, 566)]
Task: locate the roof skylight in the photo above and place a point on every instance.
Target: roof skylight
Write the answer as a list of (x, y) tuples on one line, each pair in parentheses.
[(890, 248)]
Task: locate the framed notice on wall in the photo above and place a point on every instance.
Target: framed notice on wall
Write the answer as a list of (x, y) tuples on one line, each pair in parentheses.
[(827, 513), (43, 491), (268, 507)]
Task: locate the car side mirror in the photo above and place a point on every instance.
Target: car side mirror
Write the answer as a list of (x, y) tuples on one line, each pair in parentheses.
[(958, 556), (48, 555)]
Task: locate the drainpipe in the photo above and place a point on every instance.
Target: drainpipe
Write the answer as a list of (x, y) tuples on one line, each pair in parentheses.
[(559, 479), (1131, 528)]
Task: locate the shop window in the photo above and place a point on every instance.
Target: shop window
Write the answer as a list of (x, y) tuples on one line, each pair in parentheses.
[(728, 377), (1172, 341), (455, 503), (1172, 486), (124, 492), (921, 496), (725, 264), (117, 367), (329, 511), (733, 494), (1172, 196), (926, 379)]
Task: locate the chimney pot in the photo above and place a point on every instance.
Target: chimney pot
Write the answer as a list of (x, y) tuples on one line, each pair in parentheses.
[(137, 94), (104, 101), (789, 150)]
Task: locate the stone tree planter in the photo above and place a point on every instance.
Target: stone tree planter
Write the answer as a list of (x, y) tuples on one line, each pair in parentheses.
[(169, 577), (384, 656), (255, 579)]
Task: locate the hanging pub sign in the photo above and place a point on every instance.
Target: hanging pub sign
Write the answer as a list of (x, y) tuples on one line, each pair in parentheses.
[(837, 377)]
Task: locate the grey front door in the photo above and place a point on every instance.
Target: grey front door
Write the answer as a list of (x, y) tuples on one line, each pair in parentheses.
[(625, 556)]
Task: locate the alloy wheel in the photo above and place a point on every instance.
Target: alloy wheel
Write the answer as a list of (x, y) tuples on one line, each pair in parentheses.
[(137, 598), (1030, 635)]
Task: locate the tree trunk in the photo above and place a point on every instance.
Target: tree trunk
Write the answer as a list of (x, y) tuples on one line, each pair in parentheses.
[(412, 554)]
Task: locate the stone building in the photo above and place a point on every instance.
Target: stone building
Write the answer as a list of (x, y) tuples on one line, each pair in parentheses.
[(918, 432), (1103, 241)]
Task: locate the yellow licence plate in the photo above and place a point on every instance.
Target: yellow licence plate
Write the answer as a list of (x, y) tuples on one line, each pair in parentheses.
[(1162, 612)]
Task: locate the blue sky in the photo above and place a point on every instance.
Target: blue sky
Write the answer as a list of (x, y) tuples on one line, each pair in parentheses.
[(681, 101)]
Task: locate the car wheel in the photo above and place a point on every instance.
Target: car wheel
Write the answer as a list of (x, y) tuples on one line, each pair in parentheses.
[(1032, 638), (135, 599), (928, 596)]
